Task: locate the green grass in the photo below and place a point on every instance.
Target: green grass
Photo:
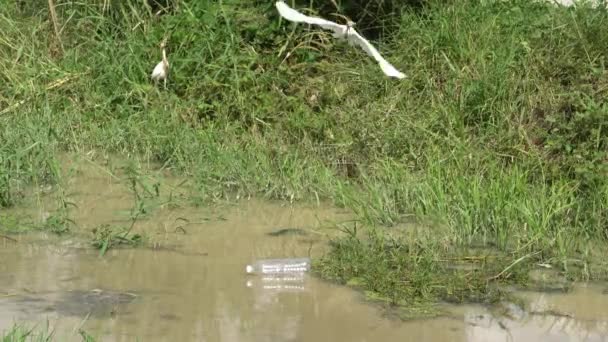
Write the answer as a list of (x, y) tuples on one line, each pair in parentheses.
[(106, 237), (498, 137), (20, 333)]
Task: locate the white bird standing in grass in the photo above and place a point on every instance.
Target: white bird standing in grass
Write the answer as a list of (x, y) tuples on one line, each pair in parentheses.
[(340, 31), (161, 70)]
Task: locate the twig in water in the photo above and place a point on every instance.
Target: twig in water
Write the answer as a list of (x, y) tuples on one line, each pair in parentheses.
[(513, 264), (79, 328)]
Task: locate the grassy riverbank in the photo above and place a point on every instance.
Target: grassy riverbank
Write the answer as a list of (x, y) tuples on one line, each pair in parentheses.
[(495, 145)]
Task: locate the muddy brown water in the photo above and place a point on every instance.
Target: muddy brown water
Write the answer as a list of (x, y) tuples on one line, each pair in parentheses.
[(191, 285)]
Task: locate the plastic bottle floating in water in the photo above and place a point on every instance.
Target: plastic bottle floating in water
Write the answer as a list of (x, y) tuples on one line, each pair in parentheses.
[(279, 266), (279, 282)]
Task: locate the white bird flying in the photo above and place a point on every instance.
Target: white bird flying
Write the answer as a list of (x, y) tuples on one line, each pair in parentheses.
[(161, 70), (340, 31)]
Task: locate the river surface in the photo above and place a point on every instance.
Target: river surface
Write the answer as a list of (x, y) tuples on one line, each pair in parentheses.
[(187, 283)]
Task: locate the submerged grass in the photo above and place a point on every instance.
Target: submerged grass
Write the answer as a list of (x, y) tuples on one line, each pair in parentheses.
[(498, 138), (20, 333), (106, 237)]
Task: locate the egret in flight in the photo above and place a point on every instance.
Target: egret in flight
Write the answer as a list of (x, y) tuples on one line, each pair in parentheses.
[(340, 31)]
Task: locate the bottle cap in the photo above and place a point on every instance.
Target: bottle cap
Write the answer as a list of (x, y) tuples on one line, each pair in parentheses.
[(249, 269)]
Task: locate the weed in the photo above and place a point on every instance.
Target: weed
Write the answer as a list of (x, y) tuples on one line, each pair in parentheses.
[(12, 224), (58, 224), (106, 237), (145, 196), (86, 337), (20, 333), (412, 272)]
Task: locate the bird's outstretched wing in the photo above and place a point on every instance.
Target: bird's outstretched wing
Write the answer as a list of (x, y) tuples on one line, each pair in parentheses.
[(292, 15), (340, 31), (388, 69)]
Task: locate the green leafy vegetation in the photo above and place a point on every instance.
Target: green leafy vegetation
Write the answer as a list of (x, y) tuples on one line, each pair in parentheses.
[(106, 237)]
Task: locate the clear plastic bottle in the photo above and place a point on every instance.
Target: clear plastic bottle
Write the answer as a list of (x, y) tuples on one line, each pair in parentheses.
[(285, 282), (279, 266)]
